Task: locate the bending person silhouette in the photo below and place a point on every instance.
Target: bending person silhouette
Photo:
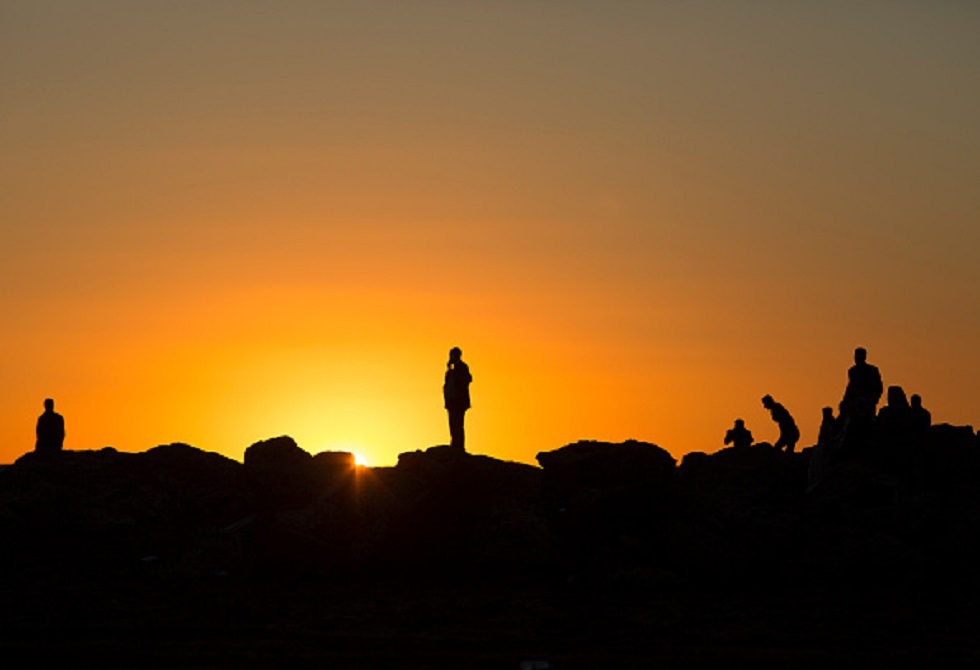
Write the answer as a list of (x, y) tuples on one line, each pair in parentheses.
[(456, 393), (789, 434), (50, 430)]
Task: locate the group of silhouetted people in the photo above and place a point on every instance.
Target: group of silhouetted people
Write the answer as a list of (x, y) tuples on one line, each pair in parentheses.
[(858, 421), (740, 437), (858, 418)]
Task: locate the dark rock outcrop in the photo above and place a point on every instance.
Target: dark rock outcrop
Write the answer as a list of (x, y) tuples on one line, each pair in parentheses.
[(457, 512), (593, 510), (107, 509), (602, 464), (609, 504), (284, 476)]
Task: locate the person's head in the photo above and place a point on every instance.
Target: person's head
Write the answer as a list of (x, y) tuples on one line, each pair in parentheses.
[(739, 424), (860, 355), (767, 401), (828, 412), (455, 354), (916, 400), (48, 405), (896, 397)]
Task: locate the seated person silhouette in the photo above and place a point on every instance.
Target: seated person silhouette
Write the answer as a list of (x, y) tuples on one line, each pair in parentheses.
[(828, 427), (895, 418), (863, 390), (456, 394), (921, 418), (789, 434), (739, 437), (50, 430)]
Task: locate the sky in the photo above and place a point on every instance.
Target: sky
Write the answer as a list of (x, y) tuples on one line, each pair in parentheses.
[(226, 221)]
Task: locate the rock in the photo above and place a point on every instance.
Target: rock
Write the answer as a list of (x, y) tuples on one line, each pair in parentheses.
[(280, 474), (463, 512), (608, 504), (603, 464), (743, 504), (105, 508), (277, 453)]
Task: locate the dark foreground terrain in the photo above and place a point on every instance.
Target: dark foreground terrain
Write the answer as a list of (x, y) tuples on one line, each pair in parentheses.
[(607, 556)]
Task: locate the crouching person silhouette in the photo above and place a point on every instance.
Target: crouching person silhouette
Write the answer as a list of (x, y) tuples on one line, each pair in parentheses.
[(456, 393), (50, 430), (739, 436)]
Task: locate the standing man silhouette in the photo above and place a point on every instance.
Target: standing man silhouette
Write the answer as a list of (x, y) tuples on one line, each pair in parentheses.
[(50, 430), (456, 393), (864, 388)]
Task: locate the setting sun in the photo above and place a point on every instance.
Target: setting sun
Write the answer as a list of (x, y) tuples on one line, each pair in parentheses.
[(635, 219), (449, 334)]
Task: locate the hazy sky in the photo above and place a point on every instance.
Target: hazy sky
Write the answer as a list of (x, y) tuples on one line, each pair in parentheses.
[(226, 221)]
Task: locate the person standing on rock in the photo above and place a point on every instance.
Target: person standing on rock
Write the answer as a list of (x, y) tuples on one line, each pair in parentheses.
[(50, 430), (789, 434), (456, 394), (864, 388)]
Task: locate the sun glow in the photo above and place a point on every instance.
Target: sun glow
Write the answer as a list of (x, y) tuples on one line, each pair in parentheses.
[(359, 460)]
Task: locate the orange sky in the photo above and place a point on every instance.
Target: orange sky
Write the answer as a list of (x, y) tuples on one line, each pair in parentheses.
[(226, 221)]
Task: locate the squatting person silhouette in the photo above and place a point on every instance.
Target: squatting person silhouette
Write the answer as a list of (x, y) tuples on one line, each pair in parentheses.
[(50, 430), (739, 436), (456, 393), (789, 434)]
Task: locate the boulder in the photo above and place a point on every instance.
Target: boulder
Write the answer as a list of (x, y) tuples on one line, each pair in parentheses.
[(455, 511), (280, 474), (602, 464), (105, 508), (277, 453), (608, 504)]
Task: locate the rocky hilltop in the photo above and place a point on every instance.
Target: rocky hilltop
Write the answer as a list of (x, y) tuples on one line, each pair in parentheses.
[(177, 536), (592, 510)]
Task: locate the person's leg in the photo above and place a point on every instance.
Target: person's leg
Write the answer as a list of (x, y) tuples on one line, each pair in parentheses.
[(457, 436)]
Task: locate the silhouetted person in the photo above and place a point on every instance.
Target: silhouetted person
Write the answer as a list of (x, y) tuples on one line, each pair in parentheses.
[(921, 418), (456, 393), (864, 388), (893, 449), (789, 434), (895, 418), (739, 437), (825, 453), (50, 430), (828, 427)]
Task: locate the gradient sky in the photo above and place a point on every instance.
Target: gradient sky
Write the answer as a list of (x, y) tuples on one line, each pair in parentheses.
[(226, 221)]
